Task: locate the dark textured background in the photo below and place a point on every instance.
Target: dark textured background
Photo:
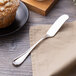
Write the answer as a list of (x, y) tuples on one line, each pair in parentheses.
[(13, 45)]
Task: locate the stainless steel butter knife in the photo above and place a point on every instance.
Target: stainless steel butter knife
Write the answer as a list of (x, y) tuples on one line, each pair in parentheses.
[(50, 33)]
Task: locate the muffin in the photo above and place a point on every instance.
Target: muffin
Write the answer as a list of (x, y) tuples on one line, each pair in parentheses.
[(7, 12)]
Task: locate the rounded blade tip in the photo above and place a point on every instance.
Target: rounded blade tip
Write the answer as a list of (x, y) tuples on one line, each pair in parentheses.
[(66, 15)]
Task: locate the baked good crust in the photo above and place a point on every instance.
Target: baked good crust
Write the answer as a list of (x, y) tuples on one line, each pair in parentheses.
[(7, 16)]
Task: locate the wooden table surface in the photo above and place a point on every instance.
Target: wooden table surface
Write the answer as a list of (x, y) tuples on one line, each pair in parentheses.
[(13, 45)]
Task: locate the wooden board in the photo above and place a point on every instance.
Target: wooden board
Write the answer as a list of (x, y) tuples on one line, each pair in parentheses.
[(40, 7)]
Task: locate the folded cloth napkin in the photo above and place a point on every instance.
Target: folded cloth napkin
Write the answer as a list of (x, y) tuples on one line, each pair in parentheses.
[(53, 54)]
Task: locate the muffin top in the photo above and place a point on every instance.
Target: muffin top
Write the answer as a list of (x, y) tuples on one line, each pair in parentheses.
[(8, 7)]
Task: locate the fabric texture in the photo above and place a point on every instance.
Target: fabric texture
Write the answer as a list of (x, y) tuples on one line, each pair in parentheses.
[(53, 54)]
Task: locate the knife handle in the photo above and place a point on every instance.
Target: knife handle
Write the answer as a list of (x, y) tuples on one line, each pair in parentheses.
[(20, 59)]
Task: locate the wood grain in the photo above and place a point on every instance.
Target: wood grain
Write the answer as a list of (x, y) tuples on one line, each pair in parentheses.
[(40, 7), (13, 45)]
